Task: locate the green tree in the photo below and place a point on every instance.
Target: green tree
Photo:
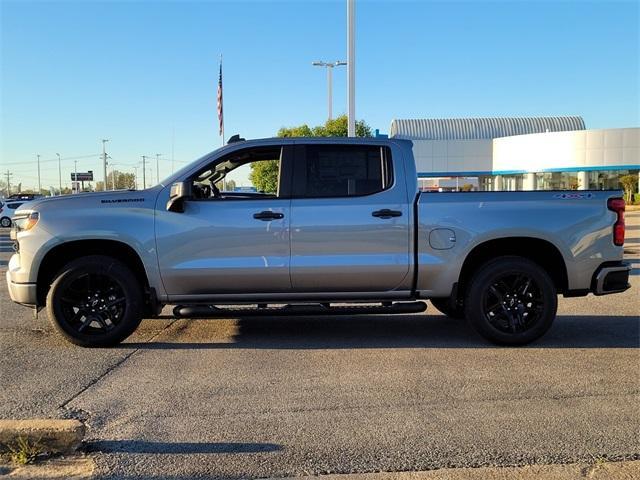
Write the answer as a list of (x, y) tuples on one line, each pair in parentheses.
[(337, 127), (264, 175), (123, 181), (629, 184), (301, 131)]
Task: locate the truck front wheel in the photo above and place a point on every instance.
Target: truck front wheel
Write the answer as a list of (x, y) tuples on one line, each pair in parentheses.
[(511, 301), (95, 301)]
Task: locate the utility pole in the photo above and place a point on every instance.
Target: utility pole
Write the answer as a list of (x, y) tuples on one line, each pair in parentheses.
[(329, 66), (39, 187), (59, 175), (8, 174), (135, 177), (104, 162), (351, 67), (75, 176), (113, 177), (158, 166), (144, 172)]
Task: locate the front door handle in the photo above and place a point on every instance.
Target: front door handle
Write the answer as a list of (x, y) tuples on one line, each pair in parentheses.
[(386, 213), (267, 215)]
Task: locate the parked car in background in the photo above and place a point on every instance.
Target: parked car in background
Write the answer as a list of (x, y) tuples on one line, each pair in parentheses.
[(7, 211), (25, 197)]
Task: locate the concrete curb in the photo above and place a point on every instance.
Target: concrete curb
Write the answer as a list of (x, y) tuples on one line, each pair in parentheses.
[(48, 435)]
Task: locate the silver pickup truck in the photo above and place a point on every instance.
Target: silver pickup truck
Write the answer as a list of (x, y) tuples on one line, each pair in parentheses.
[(334, 226)]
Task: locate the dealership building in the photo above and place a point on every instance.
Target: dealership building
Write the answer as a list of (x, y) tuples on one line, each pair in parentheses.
[(520, 153)]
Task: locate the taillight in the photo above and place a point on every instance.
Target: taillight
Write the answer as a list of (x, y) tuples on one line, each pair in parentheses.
[(617, 205)]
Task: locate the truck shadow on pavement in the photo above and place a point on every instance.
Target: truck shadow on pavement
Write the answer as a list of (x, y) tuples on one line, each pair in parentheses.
[(141, 446), (400, 331)]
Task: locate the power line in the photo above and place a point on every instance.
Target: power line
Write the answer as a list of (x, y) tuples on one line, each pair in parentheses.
[(52, 159)]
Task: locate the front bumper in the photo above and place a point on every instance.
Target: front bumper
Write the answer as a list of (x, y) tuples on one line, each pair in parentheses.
[(19, 290), (611, 278), (24, 293)]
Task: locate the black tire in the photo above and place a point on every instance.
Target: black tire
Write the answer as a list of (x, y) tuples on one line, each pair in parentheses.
[(5, 222), (511, 301), (444, 305), (95, 301)]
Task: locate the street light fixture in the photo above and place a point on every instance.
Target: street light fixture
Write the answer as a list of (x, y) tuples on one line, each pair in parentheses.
[(329, 66)]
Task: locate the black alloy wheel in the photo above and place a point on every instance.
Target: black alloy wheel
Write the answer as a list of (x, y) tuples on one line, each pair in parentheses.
[(95, 301), (511, 301)]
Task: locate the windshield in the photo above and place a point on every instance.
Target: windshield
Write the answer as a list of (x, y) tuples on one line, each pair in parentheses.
[(184, 170)]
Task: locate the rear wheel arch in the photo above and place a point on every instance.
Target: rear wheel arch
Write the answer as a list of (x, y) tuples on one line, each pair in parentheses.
[(539, 251)]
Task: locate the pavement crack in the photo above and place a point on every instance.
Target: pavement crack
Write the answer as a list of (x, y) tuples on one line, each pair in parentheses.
[(64, 405)]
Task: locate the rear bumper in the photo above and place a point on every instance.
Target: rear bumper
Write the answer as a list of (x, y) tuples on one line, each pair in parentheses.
[(611, 278)]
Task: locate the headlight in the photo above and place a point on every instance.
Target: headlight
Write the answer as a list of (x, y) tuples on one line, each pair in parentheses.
[(26, 222)]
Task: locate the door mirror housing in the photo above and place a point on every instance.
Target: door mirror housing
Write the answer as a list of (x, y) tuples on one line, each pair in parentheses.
[(180, 191)]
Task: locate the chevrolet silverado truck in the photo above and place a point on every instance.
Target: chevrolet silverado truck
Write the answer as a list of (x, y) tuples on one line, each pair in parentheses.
[(332, 226)]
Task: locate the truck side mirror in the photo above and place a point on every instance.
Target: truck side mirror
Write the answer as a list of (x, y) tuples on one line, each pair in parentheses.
[(180, 191)]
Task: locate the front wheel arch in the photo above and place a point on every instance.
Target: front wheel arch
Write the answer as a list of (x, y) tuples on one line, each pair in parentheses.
[(62, 254)]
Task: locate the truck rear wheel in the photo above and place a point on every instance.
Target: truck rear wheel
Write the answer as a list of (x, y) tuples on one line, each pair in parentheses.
[(511, 301), (444, 306), (95, 301)]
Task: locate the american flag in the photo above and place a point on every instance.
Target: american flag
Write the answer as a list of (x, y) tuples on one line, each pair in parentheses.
[(220, 113)]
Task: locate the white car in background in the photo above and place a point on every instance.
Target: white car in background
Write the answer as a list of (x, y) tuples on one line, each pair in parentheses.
[(7, 210)]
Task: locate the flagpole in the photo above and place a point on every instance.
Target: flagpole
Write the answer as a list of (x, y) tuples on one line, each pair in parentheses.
[(222, 101)]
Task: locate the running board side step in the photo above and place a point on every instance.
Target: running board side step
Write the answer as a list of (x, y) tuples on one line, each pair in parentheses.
[(211, 311)]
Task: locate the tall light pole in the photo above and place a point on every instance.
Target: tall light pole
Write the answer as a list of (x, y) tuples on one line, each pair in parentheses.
[(113, 176), (9, 175), (144, 172), (39, 187), (135, 177), (351, 67), (75, 168), (59, 174), (104, 162), (329, 66), (158, 166)]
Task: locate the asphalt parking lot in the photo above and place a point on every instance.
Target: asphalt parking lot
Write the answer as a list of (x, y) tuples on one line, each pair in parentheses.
[(271, 397)]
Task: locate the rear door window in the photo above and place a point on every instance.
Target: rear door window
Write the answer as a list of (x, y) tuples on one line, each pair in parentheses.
[(322, 171)]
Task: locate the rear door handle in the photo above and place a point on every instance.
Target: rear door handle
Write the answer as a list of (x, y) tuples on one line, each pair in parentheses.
[(267, 215), (386, 213)]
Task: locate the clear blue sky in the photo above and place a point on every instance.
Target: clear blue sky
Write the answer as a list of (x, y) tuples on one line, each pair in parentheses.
[(76, 72)]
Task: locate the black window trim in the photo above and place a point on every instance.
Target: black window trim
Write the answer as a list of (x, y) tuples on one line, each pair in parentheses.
[(300, 163)]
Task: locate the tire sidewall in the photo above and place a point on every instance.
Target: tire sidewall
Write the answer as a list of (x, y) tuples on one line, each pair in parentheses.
[(105, 266), (485, 277)]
